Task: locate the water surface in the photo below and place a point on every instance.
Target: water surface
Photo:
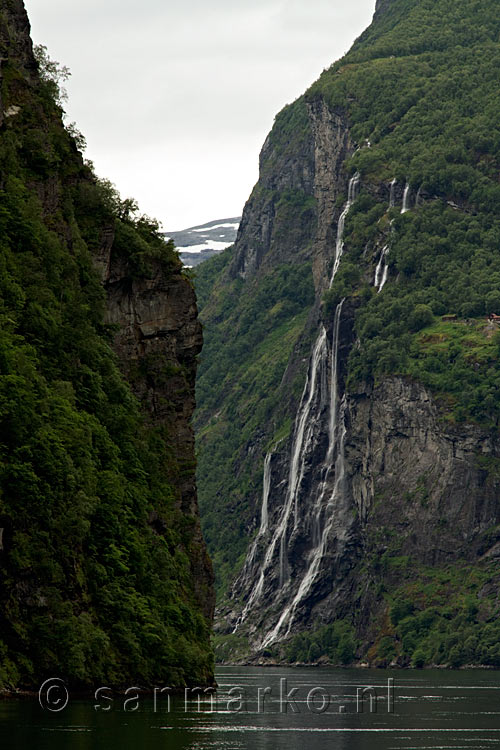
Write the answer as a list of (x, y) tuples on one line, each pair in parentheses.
[(424, 709)]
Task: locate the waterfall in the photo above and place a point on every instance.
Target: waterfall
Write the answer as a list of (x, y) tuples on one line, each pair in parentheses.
[(384, 275), (315, 397), (406, 199), (337, 495), (266, 486), (334, 383), (335, 440), (264, 524), (417, 199), (303, 432), (378, 270), (381, 270), (304, 429), (339, 246), (392, 199)]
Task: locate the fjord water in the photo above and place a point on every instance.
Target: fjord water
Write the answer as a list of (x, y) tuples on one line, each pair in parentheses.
[(432, 709)]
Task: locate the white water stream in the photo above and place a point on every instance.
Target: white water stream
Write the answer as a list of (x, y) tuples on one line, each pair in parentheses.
[(406, 199), (339, 246), (315, 397), (392, 199)]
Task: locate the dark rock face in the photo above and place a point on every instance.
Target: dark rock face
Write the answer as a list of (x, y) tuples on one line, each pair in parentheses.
[(404, 473), (17, 43), (426, 481), (266, 237), (158, 335), (266, 223), (332, 144), (158, 340)]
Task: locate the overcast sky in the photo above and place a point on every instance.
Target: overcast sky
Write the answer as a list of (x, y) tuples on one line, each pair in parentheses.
[(175, 97)]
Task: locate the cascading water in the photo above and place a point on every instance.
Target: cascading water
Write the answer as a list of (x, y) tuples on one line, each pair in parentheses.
[(382, 269), (264, 516), (301, 437), (316, 397), (332, 506), (339, 246), (384, 275), (264, 524), (304, 428), (335, 441), (378, 270), (406, 199), (392, 199), (334, 383)]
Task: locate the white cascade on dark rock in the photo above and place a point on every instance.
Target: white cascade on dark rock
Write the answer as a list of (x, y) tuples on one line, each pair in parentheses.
[(322, 514), (384, 274), (271, 545), (406, 199), (392, 199), (304, 426), (264, 525), (264, 515), (303, 434), (339, 245), (382, 270)]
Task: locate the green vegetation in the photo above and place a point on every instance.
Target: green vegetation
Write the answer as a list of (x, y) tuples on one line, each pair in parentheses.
[(441, 262), (238, 391), (230, 648), (419, 94), (91, 589), (290, 134), (335, 643), (447, 616), (419, 86)]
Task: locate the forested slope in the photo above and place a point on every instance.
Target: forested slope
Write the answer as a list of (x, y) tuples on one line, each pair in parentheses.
[(371, 521), (103, 573)]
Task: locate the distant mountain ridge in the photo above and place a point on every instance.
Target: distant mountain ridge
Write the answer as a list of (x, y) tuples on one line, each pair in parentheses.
[(203, 241)]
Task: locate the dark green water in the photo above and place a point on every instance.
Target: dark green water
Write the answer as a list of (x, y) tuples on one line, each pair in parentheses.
[(432, 709)]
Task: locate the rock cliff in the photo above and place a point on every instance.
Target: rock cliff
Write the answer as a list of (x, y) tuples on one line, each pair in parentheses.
[(377, 480), (158, 340), (104, 574)]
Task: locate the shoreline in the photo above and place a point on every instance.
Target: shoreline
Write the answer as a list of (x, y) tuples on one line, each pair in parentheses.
[(87, 693), (360, 665)]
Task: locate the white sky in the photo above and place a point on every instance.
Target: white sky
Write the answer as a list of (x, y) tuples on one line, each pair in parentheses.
[(176, 97)]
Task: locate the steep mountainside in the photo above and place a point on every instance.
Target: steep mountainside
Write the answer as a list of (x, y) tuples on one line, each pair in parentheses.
[(349, 390), (104, 576)]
